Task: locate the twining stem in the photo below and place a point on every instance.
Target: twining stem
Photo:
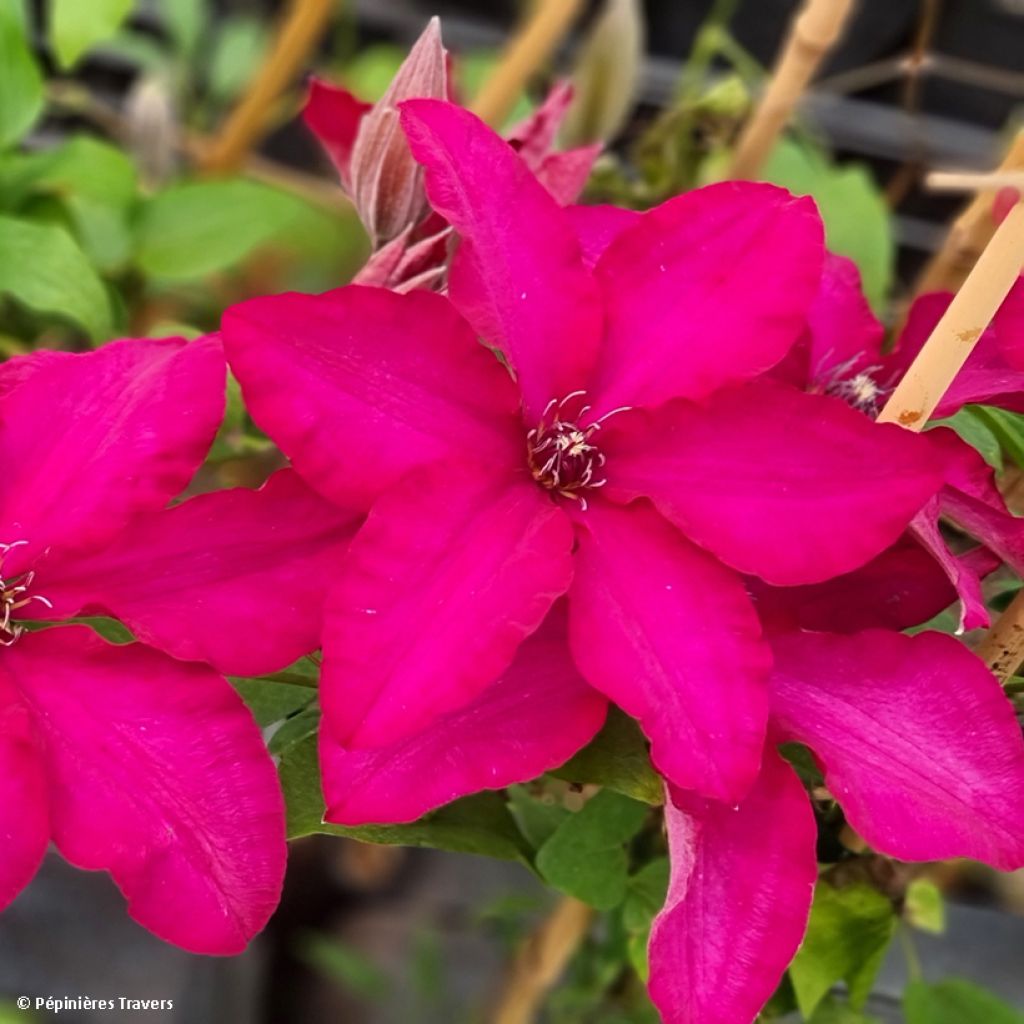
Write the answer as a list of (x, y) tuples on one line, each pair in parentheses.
[(953, 181), (541, 961), (812, 34), (956, 334), (525, 54), (300, 31), (969, 235)]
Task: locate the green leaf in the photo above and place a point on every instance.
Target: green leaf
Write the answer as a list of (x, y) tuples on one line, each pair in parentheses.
[(241, 44), (955, 1002), (21, 83), (43, 268), (198, 228), (848, 934), (185, 20), (925, 907), (478, 824), (538, 817), (586, 856), (75, 26), (1008, 428), (345, 965), (972, 427), (270, 701), (832, 1011), (645, 896), (851, 205), (617, 758)]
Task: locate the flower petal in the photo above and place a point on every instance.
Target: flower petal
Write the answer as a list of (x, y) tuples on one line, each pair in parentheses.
[(598, 226), (917, 739), (24, 800), (902, 587), (534, 718), (359, 385), (333, 115), (451, 571), (739, 897), (1009, 325), (518, 275), (236, 578), (791, 487), (669, 635), (708, 289), (157, 774), (988, 375), (91, 440)]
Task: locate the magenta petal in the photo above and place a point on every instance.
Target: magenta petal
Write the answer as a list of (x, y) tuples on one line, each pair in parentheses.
[(451, 571), (1009, 325), (333, 115), (669, 635), (360, 385), (236, 578), (91, 440), (918, 742), (738, 901), (997, 529), (597, 227), (24, 799), (534, 718), (708, 289), (518, 275), (776, 483), (158, 774), (565, 174), (902, 587)]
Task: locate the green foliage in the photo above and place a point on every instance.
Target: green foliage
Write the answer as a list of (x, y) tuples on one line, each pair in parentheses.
[(832, 1011), (344, 965), (201, 227), (1007, 428), (21, 84), (43, 268), (955, 1002), (538, 816), (848, 934), (271, 700), (851, 205), (586, 856), (617, 758), (925, 907), (645, 896), (975, 431), (478, 824), (240, 47), (76, 26)]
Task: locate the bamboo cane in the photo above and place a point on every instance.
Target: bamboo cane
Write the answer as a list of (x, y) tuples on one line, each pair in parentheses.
[(812, 34), (541, 961), (299, 33), (527, 52)]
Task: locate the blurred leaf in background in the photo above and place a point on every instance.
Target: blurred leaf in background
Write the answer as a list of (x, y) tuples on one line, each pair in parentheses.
[(955, 1002), (77, 25)]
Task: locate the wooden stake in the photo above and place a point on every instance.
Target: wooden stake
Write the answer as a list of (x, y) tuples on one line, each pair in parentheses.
[(541, 961), (968, 236), (525, 55), (812, 34), (1003, 645), (956, 334), (299, 33)]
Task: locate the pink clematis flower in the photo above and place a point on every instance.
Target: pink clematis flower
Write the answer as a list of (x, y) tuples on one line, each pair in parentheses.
[(633, 462), (840, 354), (130, 760), (384, 182), (921, 749)]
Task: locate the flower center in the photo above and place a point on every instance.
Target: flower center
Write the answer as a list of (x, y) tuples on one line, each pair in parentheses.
[(14, 595), (562, 454), (861, 391)]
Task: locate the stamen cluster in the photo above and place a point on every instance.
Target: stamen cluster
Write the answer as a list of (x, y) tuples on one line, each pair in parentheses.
[(561, 455), (14, 595)]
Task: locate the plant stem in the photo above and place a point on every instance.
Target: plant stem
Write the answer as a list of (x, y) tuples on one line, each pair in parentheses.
[(955, 335), (969, 235), (299, 33), (541, 961), (527, 52), (812, 35), (1003, 645)]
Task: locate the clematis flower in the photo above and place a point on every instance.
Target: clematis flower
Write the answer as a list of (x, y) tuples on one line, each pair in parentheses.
[(633, 462), (840, 354), (921, 749), (384, 182), (127, 758)]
